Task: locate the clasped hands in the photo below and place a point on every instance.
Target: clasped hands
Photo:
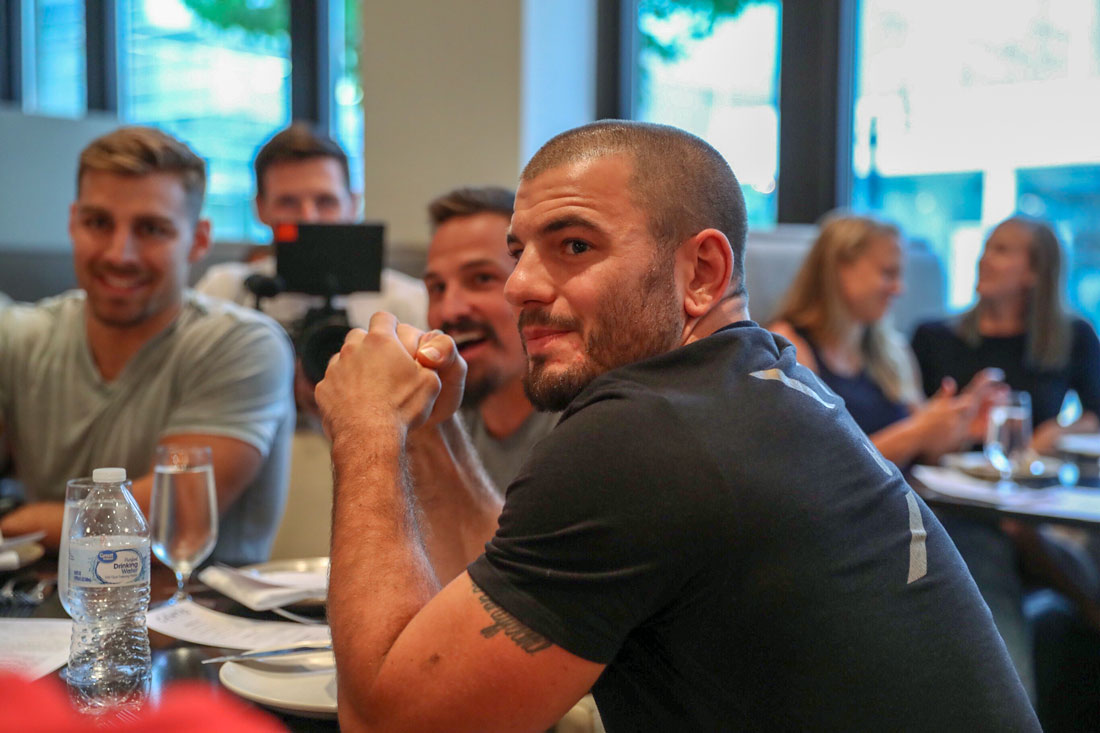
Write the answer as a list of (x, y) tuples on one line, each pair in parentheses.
[(391, 375)]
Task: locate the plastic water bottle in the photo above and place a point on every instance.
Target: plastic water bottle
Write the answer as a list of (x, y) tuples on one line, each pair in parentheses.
[(109, 661)]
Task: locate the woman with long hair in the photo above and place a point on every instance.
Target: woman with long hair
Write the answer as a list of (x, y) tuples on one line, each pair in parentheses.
[(1021, 326), (835, 313)]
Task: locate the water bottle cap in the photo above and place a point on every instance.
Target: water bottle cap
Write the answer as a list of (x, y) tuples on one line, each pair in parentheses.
[(108, 475)]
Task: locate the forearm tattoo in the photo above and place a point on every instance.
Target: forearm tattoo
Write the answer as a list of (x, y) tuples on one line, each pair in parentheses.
[(523, 637)]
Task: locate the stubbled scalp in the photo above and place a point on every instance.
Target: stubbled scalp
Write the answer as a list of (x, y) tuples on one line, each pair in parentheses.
[(680, 180)]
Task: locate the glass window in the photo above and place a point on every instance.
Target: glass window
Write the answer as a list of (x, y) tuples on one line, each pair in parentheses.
[(712, 67), (348, 102), (961, 124), (217, 75), (54, 80)]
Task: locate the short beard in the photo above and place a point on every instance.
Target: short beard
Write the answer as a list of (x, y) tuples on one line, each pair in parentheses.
[(632, 323), (477, 390)]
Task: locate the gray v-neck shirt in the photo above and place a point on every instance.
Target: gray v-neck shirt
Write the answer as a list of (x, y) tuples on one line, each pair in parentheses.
[(218, 369), (503, 457)]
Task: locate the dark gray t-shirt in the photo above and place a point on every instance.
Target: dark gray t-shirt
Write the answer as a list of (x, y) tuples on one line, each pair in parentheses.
[(218, 369), (712, 525)]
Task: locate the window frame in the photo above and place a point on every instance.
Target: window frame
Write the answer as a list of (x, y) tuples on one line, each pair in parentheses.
[(312, 78), (816, 82)]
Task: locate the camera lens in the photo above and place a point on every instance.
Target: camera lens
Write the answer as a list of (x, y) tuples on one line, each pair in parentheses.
[(318, 343)]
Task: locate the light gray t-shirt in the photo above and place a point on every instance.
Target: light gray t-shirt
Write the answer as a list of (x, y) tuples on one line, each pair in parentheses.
[(504, 457), (218, 369)]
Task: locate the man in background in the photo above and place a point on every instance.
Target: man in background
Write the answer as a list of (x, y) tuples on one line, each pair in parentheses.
[(468, 264), (101, 376), (302, 177)]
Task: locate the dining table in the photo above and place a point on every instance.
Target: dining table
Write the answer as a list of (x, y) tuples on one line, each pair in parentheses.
[(1069, 497), (175, 660)]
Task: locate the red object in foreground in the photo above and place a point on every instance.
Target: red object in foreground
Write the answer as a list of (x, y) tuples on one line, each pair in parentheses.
[(43, 706)]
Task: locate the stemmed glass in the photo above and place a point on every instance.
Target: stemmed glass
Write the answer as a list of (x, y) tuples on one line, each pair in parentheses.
[(183, 511)]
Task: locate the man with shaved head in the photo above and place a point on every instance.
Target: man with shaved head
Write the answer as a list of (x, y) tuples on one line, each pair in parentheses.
[(706, 539)]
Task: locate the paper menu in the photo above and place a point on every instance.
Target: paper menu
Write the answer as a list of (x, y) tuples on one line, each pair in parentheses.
[(34, 647), (197, 624)]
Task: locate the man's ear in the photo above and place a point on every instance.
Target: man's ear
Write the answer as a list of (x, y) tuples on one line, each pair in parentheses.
[(261, 211), (706, 261), (72, 220), (200, 241)]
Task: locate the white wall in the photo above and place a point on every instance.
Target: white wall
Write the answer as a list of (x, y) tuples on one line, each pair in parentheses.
[(453, 98), (559, 70), (38, 157), (456, 92)]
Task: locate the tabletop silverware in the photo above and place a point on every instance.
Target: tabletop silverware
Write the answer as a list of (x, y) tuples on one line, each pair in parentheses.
[(267, 653)]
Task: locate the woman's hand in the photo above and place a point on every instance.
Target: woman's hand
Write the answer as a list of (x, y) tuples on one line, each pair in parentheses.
[(944, 421), (1044, 440), (986, 389)]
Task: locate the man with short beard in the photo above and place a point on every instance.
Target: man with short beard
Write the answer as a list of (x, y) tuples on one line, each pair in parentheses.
[(468, 264), (103, 375), (706, 538)]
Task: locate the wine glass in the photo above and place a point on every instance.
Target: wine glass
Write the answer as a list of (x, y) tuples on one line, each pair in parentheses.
[(1008, 438), (76, 491), (183, 511)]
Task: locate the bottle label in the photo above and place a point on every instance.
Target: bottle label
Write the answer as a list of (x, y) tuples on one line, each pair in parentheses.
[(96, 566)]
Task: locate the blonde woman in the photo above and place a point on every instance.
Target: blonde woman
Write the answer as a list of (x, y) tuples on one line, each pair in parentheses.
[(835, 315)]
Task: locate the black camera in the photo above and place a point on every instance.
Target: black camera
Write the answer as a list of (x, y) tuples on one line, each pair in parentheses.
[(326, 260), (317, 337)]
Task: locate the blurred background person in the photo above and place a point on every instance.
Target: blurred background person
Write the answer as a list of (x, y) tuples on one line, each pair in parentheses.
[(102, 375), (1020, 326), (468, 264), (835, 313), (302, 177)]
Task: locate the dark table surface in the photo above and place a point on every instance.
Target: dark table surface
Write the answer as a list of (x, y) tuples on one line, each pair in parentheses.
[(175, 660)]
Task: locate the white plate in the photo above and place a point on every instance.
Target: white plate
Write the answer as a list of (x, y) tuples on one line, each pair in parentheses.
[(309, 693), (977, 465), (282, 570), (1085, 444)]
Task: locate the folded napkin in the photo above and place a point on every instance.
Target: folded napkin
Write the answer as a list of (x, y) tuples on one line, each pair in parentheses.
[(9, 560), (11, 557), (264, 592)]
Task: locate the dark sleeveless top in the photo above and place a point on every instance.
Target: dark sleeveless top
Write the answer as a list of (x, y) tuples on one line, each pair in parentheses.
[(866, 403)]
